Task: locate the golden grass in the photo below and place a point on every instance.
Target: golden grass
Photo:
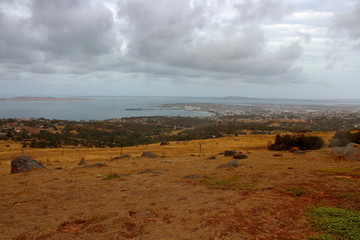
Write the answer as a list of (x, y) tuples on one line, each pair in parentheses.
[(175, 149)]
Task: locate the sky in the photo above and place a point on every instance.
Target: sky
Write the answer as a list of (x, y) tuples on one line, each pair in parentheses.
[(205, 48)]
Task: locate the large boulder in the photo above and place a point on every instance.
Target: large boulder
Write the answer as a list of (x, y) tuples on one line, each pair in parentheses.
[(24, 164), (149, 155), (352, 152)]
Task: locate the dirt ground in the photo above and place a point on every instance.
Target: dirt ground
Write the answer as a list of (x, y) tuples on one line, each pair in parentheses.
[(265, 198)]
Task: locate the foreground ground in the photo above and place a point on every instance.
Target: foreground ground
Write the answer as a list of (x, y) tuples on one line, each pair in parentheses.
[(265, 198)]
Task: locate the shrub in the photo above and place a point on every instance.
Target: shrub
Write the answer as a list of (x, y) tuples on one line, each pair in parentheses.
[(287, 141), (342, 138)]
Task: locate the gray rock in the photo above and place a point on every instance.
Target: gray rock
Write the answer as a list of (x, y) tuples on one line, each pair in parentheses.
[(82, 162), (124, 175), (338, 150), (122, 156), (352, 152), (299, 152), (231, 164), (278, 155), (96, 165), (24, 164), (149, 155), (239, 156), (230, 153), (192, 176), (148, 171)]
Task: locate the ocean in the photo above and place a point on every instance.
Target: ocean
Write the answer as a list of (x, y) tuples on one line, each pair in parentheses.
[(100, 108)]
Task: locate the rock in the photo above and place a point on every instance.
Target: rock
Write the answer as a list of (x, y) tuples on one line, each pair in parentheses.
[(149, 155), (24, 164), (299, 152), (164, 143), (294, 149), (239, 156), (212, 157), (147, 171), (192, 176), (230, 164), (96, 165), (124, 175), (122, 156), (352, 152), (82, 162), (277, 154), (338, 150), (229, 153)]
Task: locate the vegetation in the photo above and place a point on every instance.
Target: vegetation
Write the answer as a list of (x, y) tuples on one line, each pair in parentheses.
[(287, 141), (336, 223), (46, 133), (342, 138)]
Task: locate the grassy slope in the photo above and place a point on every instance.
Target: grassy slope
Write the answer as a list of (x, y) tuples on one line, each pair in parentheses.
[(259, 200)]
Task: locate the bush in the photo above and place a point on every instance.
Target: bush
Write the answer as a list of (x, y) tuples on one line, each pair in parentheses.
[(342, 138), (287, 141)]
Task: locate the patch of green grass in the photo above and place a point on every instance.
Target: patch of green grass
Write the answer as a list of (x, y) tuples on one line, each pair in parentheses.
[(295, 191), (355, 172), (111, 177), (335, 222), (229, 183), (322, 237)]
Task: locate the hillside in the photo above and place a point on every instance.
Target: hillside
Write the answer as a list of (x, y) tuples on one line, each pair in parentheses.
[(267, 197)]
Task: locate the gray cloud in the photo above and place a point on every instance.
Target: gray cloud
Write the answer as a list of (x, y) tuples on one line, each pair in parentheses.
[(350, 22), (173, 40), (228, 40)]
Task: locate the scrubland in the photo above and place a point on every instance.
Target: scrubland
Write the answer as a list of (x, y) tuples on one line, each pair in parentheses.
[(267, 197)]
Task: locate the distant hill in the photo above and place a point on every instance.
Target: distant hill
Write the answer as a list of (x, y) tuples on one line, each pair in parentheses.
[(41, 99)]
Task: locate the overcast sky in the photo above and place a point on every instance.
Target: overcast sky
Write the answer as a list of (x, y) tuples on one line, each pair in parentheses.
[(250, 48)]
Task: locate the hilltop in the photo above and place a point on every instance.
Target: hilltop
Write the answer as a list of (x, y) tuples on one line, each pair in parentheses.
[(267, 197)]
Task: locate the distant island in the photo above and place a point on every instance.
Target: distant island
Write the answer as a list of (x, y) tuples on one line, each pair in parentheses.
[(41, 99)]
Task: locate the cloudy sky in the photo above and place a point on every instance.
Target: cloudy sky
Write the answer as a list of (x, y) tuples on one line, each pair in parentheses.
[(251, 48)]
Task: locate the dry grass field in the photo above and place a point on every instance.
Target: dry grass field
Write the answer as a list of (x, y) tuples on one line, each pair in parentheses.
[(265, 198)]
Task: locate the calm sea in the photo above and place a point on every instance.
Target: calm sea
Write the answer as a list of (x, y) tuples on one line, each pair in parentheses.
[(99, 108)]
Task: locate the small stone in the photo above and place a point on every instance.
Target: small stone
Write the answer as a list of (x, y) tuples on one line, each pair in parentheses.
[(277, 154), (192, 176), (96, 165), (122, 156), (299, 152), (231, 164), (239, 156), (82, 162), (148, 171), (149, 155)]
